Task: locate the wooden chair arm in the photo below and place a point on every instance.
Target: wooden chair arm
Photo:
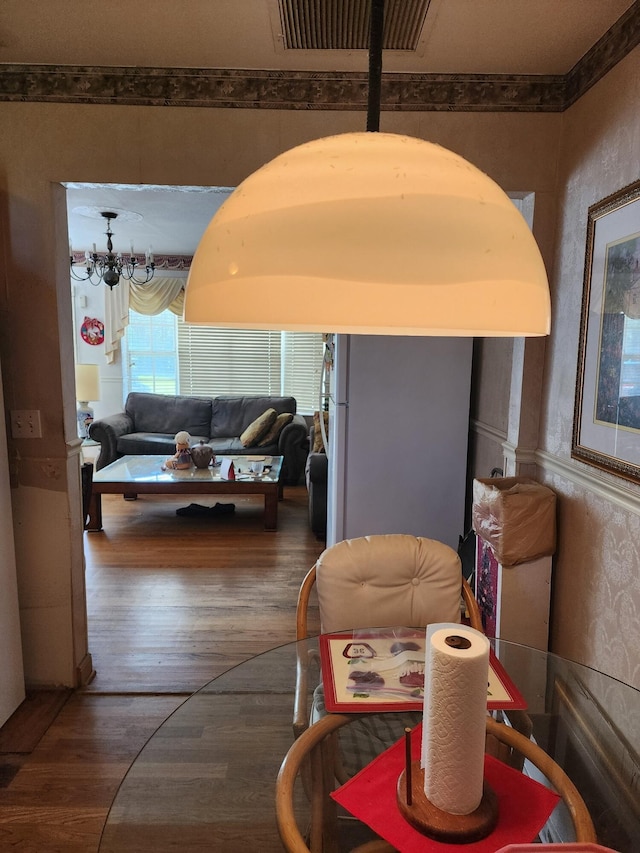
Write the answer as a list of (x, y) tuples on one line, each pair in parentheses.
[(304, 657), (313, 737), (582, 823), (303, 604), (302, 748), (472, 607), (301, 709)]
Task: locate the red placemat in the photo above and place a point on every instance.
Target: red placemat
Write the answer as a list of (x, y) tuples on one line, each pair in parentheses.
[(524, 804)]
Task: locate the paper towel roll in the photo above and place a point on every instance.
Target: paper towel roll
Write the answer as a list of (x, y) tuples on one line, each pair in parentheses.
[(454, 720)]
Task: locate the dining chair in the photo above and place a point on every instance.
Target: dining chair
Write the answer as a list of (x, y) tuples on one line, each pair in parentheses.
[(379, 581), (386, 580), (308, 749), (382, 581)]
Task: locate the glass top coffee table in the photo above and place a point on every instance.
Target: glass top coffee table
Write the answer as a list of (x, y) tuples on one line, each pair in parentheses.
[(144, 475), (205, 781)]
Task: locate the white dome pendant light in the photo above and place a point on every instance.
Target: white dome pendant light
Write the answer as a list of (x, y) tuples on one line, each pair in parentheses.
[(370, 233)]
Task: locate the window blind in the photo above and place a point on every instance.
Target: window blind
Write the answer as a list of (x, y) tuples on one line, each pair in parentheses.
[(301, 368), (165, 355), (227, 361)]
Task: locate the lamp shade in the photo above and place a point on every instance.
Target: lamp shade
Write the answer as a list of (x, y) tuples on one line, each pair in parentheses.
[(370, 233), (87, 382)]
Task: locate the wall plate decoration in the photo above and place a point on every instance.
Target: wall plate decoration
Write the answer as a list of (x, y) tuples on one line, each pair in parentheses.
[(92, 331)]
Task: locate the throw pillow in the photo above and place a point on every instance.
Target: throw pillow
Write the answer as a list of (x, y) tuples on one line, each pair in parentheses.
[(318, 444), (254, 432), (275, 429)]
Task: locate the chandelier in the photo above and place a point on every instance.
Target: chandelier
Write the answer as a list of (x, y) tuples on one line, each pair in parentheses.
[(111, 267)]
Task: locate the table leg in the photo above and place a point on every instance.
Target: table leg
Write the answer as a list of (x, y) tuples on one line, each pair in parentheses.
[(271, 510), (94, 522)]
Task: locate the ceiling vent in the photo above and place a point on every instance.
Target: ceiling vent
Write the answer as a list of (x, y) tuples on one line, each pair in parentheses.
[(344, 24)]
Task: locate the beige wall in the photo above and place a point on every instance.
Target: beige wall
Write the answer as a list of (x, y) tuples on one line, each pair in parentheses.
[(596, 613), (44, 144)]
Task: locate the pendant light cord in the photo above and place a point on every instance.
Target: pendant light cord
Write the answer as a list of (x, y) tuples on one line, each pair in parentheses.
[(375, 64)]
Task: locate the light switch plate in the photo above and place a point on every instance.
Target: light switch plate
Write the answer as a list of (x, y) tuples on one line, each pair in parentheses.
[(25, 423)]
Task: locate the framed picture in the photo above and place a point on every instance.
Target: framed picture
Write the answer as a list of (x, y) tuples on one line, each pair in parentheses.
[(363, 671), (606, 427)]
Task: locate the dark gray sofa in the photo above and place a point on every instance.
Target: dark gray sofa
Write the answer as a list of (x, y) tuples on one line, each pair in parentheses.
[(150, 421), (316, 477)]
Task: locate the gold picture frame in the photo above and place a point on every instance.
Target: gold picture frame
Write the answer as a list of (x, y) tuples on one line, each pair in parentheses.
[(606, 427)]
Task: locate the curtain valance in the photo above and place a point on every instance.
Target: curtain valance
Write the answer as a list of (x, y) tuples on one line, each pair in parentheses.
[(153, 298)]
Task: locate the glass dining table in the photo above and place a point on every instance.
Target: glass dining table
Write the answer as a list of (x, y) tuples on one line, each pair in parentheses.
[(206, 778)]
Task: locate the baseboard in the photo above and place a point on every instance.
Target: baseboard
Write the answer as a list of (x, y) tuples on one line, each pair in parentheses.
[(85, 673), (25, 727)]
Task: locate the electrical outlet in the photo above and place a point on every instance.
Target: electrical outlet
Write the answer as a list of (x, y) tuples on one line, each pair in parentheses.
[(25, 423)]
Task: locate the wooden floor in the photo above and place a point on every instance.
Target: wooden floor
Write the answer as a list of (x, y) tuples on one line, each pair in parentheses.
[(172, 602)]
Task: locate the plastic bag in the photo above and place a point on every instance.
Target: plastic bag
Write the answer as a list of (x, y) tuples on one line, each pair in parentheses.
[(516, 516)]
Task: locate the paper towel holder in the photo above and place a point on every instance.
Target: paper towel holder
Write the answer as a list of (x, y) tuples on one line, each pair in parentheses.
[(440, 825), (414, 803)]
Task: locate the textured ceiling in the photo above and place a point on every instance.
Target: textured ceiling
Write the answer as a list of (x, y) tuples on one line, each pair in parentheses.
[(459, 36)]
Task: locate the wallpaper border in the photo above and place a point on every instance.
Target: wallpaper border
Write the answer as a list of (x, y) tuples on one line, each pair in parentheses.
[(278, 90), (308, 90)]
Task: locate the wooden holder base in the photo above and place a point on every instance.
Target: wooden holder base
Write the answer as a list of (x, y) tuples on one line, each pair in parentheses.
[(440, 825)]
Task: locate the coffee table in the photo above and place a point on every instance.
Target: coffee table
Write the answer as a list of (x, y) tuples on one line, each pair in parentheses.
[(143, 475)]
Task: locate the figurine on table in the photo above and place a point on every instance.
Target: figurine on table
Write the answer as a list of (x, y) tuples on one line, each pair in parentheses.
[(182, 456)]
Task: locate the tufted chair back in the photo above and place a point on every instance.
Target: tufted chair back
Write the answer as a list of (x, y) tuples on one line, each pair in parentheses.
[(387, 580), (382, 581)]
